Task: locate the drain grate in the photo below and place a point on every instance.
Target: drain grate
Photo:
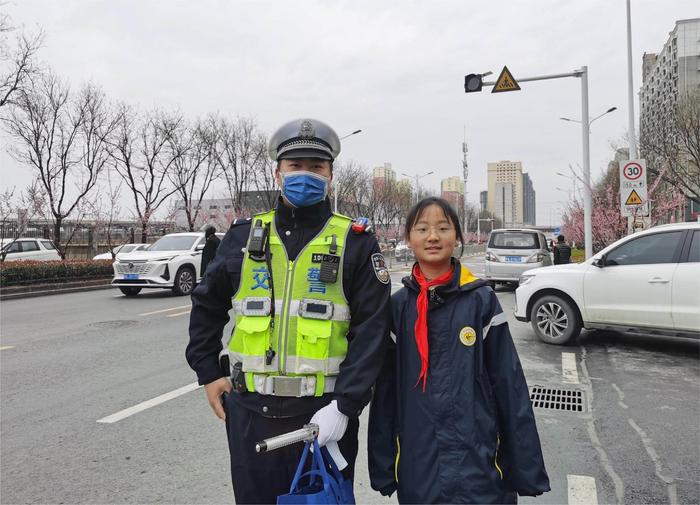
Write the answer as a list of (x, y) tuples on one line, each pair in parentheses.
[(550, 398)]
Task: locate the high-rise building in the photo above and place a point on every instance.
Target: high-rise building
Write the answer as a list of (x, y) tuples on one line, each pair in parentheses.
[(452, 190), (669, 76), (382, 175), (504, 203), (529, 214), (506, 172), (483, 201)]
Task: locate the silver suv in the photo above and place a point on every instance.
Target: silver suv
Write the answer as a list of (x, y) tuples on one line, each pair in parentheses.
[(512, 251)]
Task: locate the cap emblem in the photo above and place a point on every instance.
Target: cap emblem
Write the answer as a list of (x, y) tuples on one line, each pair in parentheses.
[(306, 131)]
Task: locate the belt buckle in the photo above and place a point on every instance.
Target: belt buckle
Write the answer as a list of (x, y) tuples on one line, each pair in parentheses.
[(286, 386)]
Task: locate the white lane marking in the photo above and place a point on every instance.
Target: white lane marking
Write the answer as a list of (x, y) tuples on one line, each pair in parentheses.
[(568, 367), (6, 347), (582, 490), (164, 310), (122, 414), (178, 314), (396, 285)]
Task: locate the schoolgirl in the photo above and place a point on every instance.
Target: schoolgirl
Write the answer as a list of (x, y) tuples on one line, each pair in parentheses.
[(451, 420)]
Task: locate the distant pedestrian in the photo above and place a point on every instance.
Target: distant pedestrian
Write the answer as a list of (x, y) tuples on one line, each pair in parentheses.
[(562, 251), (210, 247)]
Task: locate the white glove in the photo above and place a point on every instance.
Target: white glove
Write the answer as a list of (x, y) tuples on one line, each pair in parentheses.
[(331, 422)]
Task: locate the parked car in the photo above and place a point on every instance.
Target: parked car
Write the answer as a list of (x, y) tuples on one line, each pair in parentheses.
[(121, 250), (402, 252), (172, 262), (509, 252), (36, 249), (648, 282)]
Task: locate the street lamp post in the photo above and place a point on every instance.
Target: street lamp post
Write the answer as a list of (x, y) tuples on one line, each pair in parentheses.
[(586, 136), (417, 178), (611, 109), (573, 184), (336, 186)]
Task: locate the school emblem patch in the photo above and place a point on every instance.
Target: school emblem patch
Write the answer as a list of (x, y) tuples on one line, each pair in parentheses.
[(467, 336), (380, 269)]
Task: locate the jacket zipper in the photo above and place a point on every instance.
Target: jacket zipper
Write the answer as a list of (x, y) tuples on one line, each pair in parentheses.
[(284, 335), (398, 457), (495, 458)]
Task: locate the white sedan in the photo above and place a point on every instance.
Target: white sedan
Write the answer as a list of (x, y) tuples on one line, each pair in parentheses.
[(120, 250), (648, 283)]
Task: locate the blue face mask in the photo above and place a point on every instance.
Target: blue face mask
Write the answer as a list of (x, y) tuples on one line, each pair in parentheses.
[(303, 189)]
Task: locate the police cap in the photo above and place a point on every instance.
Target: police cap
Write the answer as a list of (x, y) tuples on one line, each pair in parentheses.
[(304, 138)]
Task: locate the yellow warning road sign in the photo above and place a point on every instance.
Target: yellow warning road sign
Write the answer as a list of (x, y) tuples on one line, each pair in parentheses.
[(633, 199), (505, 82)]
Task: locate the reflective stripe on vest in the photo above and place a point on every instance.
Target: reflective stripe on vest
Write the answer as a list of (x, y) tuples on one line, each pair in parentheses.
[(311, 317)]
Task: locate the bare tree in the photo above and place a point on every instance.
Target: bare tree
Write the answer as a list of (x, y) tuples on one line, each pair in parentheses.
[(672, 148), (62, 137), (350, 184), (195, 167), (242, 156), (265, 183), (18, 65), (106, 210), (353, 184), (143, 158)]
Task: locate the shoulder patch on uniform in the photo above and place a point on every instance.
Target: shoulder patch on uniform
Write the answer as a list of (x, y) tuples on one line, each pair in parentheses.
[(380, 269), (240, 221), (361, 225)]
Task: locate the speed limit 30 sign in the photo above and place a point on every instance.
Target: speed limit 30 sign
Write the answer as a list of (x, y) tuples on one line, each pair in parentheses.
[(633, 188)]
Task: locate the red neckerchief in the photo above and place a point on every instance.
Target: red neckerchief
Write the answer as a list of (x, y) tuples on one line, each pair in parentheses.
[(421, 326)]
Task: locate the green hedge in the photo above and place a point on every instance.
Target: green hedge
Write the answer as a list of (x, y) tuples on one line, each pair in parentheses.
[(13, 273), (578, 255)]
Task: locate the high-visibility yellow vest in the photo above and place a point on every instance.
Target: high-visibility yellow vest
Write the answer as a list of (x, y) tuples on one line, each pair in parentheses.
[(308, 336)]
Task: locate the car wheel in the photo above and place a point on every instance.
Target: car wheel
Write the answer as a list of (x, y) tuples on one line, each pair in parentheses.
[(129, 291), (554, 320), (184, 281)]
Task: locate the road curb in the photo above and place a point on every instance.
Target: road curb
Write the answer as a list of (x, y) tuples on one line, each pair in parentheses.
[(48, 289)]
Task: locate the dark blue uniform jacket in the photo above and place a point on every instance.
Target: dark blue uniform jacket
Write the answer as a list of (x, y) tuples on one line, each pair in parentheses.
[(471, 436)]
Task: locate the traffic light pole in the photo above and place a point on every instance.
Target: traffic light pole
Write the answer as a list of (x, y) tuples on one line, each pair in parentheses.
[(587, 197)]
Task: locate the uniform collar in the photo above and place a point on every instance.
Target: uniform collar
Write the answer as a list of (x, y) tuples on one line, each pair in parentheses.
[(303, 217)]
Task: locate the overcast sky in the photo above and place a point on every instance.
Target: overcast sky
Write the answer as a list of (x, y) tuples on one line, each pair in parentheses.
[(393, 69)]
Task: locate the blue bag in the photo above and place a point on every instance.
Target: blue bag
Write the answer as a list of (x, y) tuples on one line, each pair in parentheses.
[(322, 484)]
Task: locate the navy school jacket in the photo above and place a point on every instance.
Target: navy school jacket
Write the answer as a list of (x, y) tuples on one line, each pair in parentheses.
[(471, 436)]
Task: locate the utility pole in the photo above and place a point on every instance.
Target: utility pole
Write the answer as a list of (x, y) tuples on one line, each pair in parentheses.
[(630, 103), (465, 173)]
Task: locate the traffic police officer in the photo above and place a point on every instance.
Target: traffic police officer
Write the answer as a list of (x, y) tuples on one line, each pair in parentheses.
[(308, 340)]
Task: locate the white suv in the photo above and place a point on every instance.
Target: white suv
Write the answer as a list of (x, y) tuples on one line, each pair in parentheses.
[(172, 262), (35, 249), (648, 283)]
